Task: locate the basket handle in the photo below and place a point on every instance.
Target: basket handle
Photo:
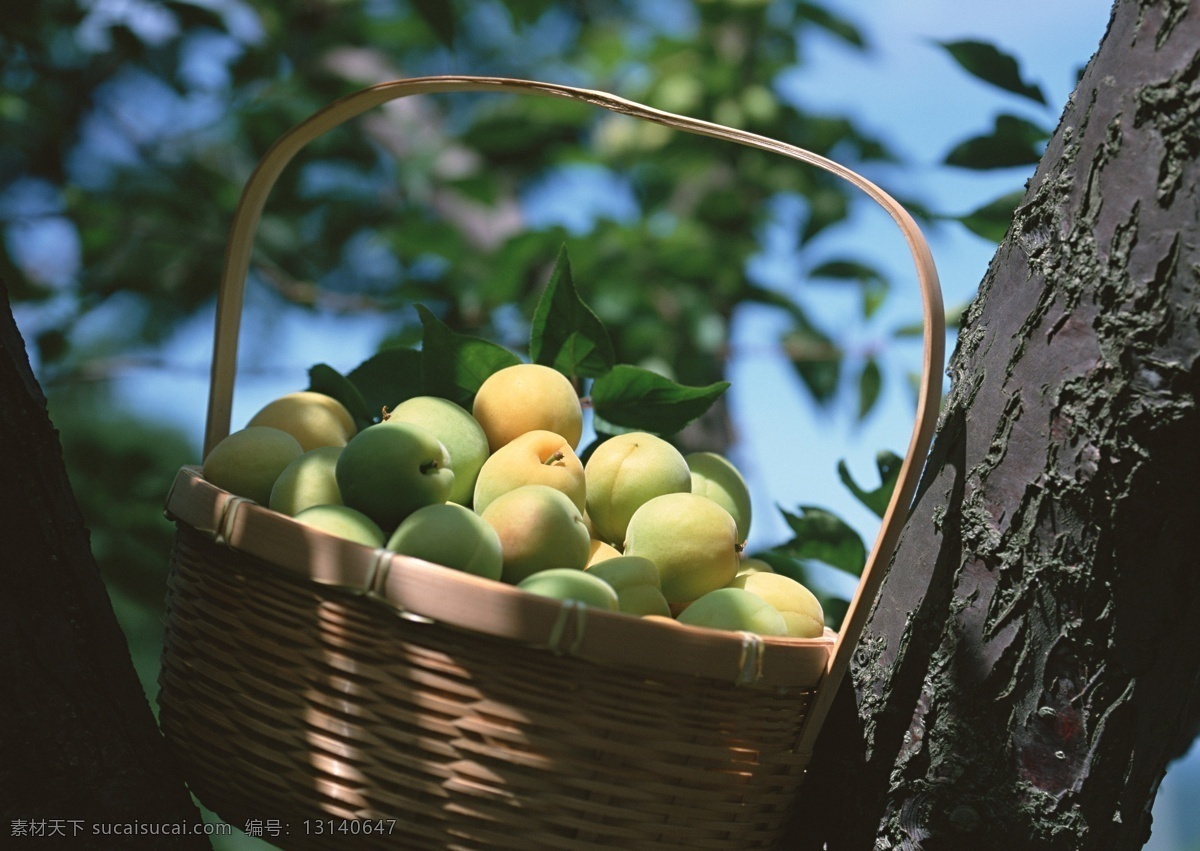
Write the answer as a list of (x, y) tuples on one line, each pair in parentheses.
[(254, 195)]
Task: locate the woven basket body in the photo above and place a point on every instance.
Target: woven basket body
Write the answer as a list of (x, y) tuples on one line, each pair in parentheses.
[(309, 680), (287, 701)]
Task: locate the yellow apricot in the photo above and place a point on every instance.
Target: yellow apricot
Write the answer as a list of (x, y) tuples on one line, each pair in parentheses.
[(754, 565), (314, 419), (539, 528), (734, 609), (527, 397), (692, 541), (800, 608), (535, 458), (625, 472), (600, 551)]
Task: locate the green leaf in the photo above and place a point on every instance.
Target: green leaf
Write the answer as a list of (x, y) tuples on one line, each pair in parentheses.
[(874, 284), (630, 397), (992, 220), (847, 270), (565, 333), (440, 16), (834, 24), (826, 207), (453, 365), (874, 294), (816, 359), (992, 65), (388, 377), (825, 537), (870, 382), (1012, 142), (752, 292), (888, 465), (323, 378)]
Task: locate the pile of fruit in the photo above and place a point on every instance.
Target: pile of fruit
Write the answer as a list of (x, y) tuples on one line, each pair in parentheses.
[(499, 491), (473, 466)]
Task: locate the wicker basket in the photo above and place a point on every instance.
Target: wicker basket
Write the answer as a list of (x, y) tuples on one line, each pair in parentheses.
[(341, 695)]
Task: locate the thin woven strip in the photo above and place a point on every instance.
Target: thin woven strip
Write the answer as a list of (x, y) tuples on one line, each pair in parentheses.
[(285, 700)]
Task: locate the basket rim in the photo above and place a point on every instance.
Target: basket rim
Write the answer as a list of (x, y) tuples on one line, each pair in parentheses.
[(423, 591)]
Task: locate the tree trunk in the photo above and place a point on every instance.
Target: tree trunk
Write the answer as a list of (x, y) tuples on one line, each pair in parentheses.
[(79, 747), (1033, 662)]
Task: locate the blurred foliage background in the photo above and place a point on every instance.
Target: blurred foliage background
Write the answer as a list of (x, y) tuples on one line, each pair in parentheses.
[(127, 128)]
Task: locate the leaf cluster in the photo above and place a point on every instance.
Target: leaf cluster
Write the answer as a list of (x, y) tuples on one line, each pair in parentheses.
[(565, 334)]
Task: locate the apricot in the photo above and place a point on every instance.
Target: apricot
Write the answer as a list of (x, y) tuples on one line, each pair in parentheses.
[(625, 571), (565, 583), (624, 473), (534, 458), (451, 535), (800, 608), (344, 522), (539, 528), (600, 551), (389, 470), (754, 565), (307, 481), (527, 397), (735, 609), (248, 462), (458, 431), (691, 540), (715, 477), (636, 582), (312, 418)]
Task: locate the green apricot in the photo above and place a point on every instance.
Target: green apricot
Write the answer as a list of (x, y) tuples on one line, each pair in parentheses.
[(389, 470), (458, 431), (248, 462), (344, 522), (643, 600), (715, 477), (452, 535), (625, 571), (624, 473), (309, 480), (539, 528), (691, 540), (566, 583), (734, 609), (635, 579)]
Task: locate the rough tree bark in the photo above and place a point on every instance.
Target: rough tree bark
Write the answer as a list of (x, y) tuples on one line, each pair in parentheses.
[(79, 746), (1033, 662)]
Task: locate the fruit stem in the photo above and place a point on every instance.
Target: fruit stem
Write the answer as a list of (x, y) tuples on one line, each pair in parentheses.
[(428, 467), (553, 459)]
